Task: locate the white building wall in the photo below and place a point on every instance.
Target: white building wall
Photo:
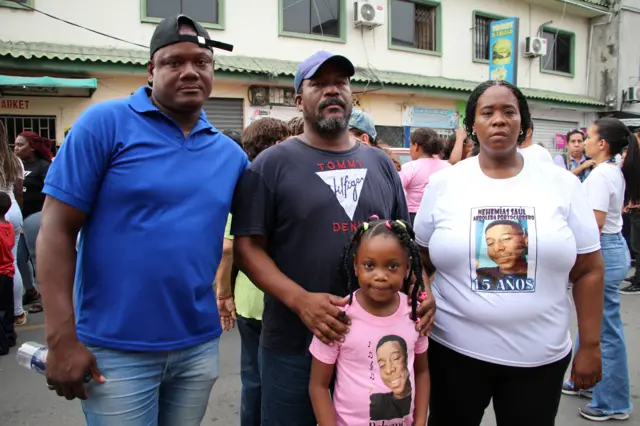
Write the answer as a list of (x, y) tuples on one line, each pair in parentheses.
[(252, 26)]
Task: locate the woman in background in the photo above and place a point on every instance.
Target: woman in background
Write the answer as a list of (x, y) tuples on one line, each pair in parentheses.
[(35, 153), (11, 181), (605, 188), (425, 149)]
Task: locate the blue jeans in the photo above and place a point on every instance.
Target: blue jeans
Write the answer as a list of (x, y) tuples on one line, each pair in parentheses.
[(285, 389), (612, 394), (152, 388), (250, 405), (27, 250)]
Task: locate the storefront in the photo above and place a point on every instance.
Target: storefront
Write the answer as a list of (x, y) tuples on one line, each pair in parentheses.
[(225, 113), (397, 115), (37, 104), (551, 125)]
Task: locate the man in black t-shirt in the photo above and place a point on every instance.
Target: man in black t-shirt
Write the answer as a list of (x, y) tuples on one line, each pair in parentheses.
[(294, 211)]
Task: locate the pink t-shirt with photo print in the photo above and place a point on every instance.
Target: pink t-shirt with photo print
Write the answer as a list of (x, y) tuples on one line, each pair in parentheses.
[(375, 381)]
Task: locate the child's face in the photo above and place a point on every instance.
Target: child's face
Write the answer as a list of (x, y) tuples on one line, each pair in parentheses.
[(381, 265)]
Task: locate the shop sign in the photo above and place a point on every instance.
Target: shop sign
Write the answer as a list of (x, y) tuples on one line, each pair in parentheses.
[(435, 118), (561, 141), (503, 55), (14, 104)]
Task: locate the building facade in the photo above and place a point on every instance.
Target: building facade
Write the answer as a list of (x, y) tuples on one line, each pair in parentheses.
[(416, 67), (614, 61)]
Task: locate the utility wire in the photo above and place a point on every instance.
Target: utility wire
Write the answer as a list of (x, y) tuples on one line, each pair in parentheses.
[(76, 25)]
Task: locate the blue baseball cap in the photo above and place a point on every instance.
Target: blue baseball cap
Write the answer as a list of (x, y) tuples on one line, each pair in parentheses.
[(310, 66), (362, 121)]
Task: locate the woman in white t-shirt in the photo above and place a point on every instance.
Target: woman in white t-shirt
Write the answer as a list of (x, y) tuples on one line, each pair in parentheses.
[(11, 180), (503, 235), (605, 188)]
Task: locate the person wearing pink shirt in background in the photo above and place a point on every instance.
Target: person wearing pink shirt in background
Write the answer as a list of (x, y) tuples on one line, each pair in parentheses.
[(425, 151)]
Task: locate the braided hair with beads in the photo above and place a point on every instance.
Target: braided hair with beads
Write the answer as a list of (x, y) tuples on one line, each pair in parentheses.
[(404, 233)]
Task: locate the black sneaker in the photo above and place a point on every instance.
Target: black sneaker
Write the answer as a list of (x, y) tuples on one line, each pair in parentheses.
[(632, 288), (598, 416)]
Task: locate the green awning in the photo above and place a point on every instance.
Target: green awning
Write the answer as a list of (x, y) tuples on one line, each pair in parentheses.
[(11, 85), (270, 68)]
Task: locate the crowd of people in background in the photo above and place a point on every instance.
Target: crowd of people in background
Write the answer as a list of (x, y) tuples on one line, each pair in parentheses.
[(327, 251)]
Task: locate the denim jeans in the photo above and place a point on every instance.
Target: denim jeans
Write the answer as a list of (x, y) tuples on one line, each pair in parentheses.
[(612, 394), (250, 405), (14, 215), (152, 388), (24, 264), (285, 389), (27, 250), (634, 239)]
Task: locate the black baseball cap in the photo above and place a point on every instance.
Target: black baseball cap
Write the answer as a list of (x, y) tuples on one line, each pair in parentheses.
[(168, 32)]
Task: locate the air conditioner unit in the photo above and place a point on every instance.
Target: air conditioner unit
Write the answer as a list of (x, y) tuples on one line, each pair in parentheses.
[(368, 13), (535, 46)]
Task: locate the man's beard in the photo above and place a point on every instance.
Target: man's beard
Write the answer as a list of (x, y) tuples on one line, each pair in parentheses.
[(331, 127)]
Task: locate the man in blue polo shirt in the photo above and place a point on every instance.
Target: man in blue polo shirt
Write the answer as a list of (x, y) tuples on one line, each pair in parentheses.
[(150, 182)]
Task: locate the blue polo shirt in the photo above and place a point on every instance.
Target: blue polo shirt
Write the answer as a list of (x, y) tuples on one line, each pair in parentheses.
[(156, 204)]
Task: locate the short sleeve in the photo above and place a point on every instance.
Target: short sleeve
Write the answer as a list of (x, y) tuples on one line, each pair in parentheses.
[(82, 161), (424, 224), (227, 229), (254, 203), (422, 344), (582, 220), (324, 353), (597, 192), (406, 174)]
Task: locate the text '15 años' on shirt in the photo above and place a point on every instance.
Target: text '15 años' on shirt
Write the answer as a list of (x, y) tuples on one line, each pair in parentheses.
[(307, 202)]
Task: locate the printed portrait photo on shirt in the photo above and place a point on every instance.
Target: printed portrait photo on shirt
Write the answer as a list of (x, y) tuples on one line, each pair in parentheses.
[(393, 359), (503, 257)]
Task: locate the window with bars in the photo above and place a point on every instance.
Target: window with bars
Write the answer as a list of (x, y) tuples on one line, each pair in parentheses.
[(482, 35), (204, 11), (414, 25), (391, 135), (560, 50), (45, 126), (312, 17)]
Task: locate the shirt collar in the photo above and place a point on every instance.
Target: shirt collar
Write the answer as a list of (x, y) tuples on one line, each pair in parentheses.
[(140, 102)]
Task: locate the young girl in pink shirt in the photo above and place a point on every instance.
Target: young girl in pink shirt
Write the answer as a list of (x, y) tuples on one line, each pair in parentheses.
[(382, 376)]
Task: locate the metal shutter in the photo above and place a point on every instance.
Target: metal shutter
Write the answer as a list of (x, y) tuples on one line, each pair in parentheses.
[(225, 113), (544, 131)]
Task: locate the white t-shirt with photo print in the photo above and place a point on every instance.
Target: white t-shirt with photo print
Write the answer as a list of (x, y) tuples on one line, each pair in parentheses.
[(503, 250)]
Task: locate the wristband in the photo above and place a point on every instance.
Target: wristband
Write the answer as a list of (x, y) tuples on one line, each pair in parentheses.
[(224, 298)]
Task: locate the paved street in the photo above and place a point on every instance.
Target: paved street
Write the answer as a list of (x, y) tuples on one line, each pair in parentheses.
[(25, 401)]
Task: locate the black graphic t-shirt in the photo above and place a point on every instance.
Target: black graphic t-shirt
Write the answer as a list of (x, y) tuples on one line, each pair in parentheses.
[(307, 202), (34, 173)]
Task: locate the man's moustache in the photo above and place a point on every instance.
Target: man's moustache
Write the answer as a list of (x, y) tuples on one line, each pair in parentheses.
[(331, 102)]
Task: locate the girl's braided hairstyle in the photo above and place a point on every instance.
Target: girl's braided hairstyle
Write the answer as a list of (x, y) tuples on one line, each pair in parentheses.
[(404, 233)]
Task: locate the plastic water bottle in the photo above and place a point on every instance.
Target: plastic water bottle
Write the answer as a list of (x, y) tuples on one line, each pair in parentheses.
[(33, 356)]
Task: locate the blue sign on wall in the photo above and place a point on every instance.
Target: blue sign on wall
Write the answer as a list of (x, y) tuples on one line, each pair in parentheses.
[(503, 50)]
